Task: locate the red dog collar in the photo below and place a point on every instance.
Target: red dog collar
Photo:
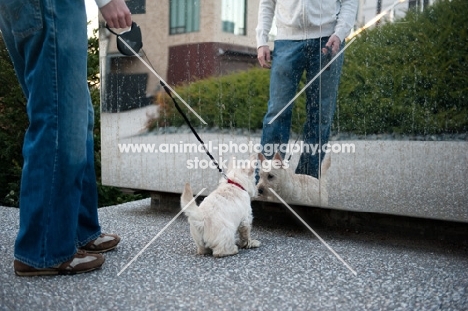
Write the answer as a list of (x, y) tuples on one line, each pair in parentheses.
[(234, 183)]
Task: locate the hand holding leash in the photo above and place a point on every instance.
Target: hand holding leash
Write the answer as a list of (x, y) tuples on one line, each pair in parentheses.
[(116, 14)]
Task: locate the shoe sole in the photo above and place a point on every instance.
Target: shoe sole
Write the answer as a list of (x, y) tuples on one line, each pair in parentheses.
[(99, 251), (54, 272)]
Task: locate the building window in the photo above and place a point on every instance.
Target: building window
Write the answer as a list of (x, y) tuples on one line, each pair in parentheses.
[(137, 6), (185, 16), (233, 16)]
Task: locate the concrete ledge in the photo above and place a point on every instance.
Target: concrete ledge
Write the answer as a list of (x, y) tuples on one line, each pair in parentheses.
[(357, 222)]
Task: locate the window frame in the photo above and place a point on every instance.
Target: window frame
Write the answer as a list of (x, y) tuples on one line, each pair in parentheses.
[(233, 18), (184, 16)]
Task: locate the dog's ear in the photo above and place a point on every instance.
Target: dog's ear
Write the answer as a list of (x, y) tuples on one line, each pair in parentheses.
[(253, 163), (231, 163), (278, 156), (261, 157)]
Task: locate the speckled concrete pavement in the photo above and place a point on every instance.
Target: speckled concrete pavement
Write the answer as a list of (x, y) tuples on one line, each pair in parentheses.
[(292, 270)]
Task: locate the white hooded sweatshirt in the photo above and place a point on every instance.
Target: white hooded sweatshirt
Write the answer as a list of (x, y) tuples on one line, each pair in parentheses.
[(305, 19)]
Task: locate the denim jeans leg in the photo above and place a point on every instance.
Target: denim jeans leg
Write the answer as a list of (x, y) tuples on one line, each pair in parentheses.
[(50, 58), (320, 107), (88, 224), (287, 68)]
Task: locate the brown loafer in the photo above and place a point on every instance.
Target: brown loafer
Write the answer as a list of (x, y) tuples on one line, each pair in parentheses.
[(104, 243), (82, 262)]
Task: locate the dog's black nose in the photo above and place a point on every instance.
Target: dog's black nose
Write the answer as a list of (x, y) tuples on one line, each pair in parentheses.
[(260, 191)]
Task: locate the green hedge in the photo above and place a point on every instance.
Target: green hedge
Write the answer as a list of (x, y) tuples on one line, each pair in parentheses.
[(234, 101), (409, 77), (13, 123)]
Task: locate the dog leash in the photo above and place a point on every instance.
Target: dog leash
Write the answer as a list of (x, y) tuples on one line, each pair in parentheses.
[(230, 181), (130, 43), (184, 116), (168, 91)]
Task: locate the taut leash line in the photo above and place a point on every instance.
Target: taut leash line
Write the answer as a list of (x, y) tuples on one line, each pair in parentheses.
[(136, 36), (168, 91)]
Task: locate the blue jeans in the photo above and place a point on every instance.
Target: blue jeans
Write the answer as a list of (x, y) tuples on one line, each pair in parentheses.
[(47, 42), (290, 60)]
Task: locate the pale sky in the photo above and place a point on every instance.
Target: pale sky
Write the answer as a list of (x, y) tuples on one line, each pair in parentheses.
[(92, 15)]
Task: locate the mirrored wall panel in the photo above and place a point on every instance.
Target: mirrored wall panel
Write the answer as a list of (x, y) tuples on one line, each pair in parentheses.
[(376, 124)]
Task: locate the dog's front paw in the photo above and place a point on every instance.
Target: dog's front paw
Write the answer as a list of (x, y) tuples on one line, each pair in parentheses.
[(241, 243), (254, 244), (225, 254), (248, 244), (204, 251)]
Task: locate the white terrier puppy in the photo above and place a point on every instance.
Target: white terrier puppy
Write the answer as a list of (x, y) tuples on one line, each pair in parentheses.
[(291, 187), (223, 213)]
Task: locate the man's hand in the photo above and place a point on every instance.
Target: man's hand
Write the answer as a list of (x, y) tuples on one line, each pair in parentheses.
[(116, 14), (264, 56), (334, 43)]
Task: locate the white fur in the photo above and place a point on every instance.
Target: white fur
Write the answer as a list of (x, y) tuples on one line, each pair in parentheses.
[(222, 214), (291, 187)]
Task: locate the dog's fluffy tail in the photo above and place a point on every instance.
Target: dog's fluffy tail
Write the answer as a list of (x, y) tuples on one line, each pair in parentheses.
[(191, 208)]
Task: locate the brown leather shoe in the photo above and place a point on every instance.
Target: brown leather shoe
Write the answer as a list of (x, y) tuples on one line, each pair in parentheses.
[(104, 243), (82, 262)]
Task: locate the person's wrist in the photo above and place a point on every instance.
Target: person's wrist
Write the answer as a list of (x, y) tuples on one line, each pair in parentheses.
[(339, 37), (101, 3)]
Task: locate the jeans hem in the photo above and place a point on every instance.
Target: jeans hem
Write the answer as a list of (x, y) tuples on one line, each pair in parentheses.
[(89, 239), (44, 265)]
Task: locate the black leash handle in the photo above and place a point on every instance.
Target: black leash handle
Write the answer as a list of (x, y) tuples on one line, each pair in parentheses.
[(168, 91)]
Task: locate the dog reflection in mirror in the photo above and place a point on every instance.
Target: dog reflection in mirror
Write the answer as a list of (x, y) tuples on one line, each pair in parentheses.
[(224, 213), (291, 187)]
